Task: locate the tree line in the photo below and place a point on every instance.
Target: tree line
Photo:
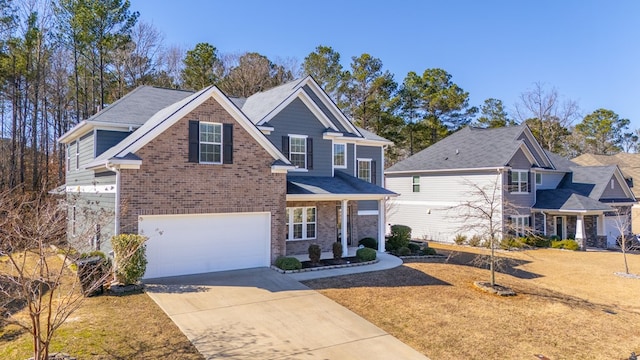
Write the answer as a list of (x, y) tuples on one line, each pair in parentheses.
[(61, 61)]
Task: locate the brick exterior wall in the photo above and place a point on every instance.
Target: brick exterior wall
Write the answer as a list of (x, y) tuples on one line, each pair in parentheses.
[(367, 227), (167, 183)]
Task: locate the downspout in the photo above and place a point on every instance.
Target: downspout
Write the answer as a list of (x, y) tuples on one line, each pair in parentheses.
[(117, 199)]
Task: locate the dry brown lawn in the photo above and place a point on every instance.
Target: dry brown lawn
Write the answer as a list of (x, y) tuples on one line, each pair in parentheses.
[(570, 305), (107, 327)]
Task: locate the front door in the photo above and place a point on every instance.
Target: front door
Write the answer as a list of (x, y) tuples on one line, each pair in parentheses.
[(560, 228), (339, 224)]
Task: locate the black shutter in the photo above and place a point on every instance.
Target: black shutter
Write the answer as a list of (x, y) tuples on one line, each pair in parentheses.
[(373, 172), (530, 181), (509, 182), (309, 153), (194, 141), (227, 143), (285, 146)]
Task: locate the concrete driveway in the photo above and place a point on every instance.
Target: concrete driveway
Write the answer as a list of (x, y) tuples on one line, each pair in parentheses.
[(261, 314)]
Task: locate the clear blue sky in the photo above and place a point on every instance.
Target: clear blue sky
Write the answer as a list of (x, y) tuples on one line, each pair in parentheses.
[(588, 50)]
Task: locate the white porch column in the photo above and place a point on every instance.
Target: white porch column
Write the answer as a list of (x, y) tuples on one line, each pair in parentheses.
[(381, 225), (544, 223), (580, 231), (600, 225), (343, 231)]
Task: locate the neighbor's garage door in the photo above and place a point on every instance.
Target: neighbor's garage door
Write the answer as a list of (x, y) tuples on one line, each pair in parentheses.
[(194, 244)]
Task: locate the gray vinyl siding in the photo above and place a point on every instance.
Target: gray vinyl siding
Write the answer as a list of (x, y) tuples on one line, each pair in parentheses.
[(80, 176), (91, 209), (616, 193), (106, 139), (324, 109), (375, 154), (536, 155), (519, 161), (297, 119)]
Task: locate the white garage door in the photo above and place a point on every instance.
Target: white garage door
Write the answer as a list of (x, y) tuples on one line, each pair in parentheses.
[(200, 243)]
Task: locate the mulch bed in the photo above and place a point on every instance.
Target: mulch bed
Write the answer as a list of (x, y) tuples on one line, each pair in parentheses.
[(331, 262)]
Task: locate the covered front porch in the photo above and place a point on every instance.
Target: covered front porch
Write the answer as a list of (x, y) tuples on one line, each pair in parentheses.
[(325, 210), (569, 215)]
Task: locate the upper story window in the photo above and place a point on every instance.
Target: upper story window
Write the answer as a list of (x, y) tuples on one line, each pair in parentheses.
[(210, 143), (416, 183), (298, 151), (519, 181), (77, 154), (364, 170), (340, 155), (538, 179)]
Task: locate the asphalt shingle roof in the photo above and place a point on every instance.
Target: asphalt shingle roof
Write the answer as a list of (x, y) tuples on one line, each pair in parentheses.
[(567, 200), (139, 105), (258, 105), (629, 164), (339, 184), (589, 181), (465, 149)]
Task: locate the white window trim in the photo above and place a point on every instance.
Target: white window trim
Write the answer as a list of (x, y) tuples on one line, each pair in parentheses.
[(413, 183), (358, 160), (519, 227), (289, 223), (200, 142), (78, 154), (333, 155), (519, 181), (538, 174), (68, 165), (296, 136)]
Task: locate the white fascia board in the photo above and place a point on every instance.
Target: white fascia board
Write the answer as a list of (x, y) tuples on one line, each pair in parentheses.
[(496, 168), (330, 105), (370, 142), (85, 126), (330, 135), (282, 169), (311, 105), (570, 212), (527, 132), (623, 183), (337, 197), (78, 130)]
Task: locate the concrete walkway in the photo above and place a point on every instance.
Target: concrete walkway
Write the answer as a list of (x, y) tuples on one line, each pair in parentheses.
[(262, 314)]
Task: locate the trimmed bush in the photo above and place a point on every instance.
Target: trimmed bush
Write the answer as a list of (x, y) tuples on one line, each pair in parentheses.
[(131, 258), (460, 239), (403, 251), (337, 250), (369, 242), (366, 254), (475, 241), (314, 253), (428, 251), (413, 247), (288, 263), (400, 236), (567, 244)]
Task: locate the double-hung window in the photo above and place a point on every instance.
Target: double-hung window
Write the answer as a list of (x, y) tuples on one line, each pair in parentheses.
[(364, 169), (301, 223), (340, 155), (210, 143), (520, 225), (416, 183), (519, 181), (298, 151)]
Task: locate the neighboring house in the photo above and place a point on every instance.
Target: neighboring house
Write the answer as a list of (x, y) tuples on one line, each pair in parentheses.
[(629, 164), (537, 191), (221, 183)]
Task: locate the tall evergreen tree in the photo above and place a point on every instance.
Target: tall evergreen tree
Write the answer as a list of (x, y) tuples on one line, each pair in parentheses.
[(493, 115)]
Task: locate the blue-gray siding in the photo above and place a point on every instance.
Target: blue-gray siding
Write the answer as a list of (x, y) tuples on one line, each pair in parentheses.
[(324, 109)]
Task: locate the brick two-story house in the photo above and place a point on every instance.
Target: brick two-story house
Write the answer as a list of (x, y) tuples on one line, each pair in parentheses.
[(219, 183)]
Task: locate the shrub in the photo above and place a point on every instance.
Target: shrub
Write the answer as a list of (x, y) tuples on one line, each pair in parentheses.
[(366, 254), (314, 253), (537, 241), (413, 247), (511, 243), (428, 251), (460, 239), (288, 263), (475, 241), (131, 257), (403, 251), (368, 242), (567, 244), (554, 238), (337, 250), (400, 236)]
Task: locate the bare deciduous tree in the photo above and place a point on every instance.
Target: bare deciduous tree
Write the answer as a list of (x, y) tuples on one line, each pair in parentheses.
[(626, 240), (35, 271)]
